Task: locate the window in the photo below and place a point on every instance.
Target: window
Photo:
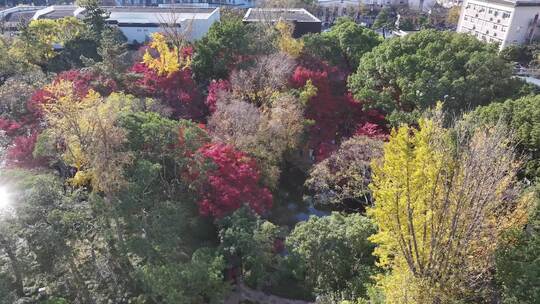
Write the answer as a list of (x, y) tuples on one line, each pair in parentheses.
[(494, 26), (506, 15)]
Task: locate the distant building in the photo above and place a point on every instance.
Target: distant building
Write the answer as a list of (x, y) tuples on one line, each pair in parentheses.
[(58, 11), (11, 18), (304, 22), (504, 22), (137, 23), (418, 5), (421, 5), (212, 3), (449, 3)]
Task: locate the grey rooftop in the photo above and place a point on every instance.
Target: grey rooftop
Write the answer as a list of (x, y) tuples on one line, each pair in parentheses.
[(275, 14)]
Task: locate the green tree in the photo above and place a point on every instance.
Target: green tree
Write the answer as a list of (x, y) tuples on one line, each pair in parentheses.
[(248, 241), (94, 17), (36, 42), (160, 194), (518, 265), (219, 50), (344, 44), (198, 281), (384, 20), (518, 53), (523, 117), (50, 221), (12, 65), (113, 56), (414, 72), (336, 254)]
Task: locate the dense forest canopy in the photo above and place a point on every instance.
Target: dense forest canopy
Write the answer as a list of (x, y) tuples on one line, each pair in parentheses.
[(339, 167)]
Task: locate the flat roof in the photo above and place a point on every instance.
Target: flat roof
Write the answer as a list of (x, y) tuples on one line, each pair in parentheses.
[(19, 16), (275, 14), (60, 12), (512, 3), (156, 15), (132, 14), (146, 9)]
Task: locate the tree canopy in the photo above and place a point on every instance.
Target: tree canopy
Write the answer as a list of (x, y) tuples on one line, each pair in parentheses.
[(242, 167), (412, 73), (344, 44)]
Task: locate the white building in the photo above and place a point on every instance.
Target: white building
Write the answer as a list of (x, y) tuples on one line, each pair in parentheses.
[(138, 23), (504, 22), (419, 5), (214, 3)]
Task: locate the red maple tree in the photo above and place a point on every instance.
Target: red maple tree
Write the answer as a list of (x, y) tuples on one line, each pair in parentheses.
[(233, 182), (214, 90), (335, 112), (177, 90)]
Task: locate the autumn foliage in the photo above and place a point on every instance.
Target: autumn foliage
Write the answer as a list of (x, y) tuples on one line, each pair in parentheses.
[(172, 85), (233, 182), (335, 113), (82, 82), (214, 90), (20, 153)]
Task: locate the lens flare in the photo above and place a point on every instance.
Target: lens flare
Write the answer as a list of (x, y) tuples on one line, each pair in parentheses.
[(4, 199)]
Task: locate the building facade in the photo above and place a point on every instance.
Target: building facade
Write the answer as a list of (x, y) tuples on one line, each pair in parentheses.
[(418, 5), (138, 23), (211, 3), (503, 22), (304, 22)]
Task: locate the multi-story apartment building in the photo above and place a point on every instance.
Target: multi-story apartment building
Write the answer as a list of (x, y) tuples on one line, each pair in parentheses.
[(504, 22)]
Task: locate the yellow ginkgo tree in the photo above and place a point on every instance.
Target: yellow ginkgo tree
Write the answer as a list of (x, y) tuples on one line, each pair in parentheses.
[(286, 42), (37, 42), (88, 132), (168, 59), (442, 197)]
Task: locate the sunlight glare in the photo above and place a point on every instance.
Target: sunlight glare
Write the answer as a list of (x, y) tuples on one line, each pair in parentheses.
[(4, 198)]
